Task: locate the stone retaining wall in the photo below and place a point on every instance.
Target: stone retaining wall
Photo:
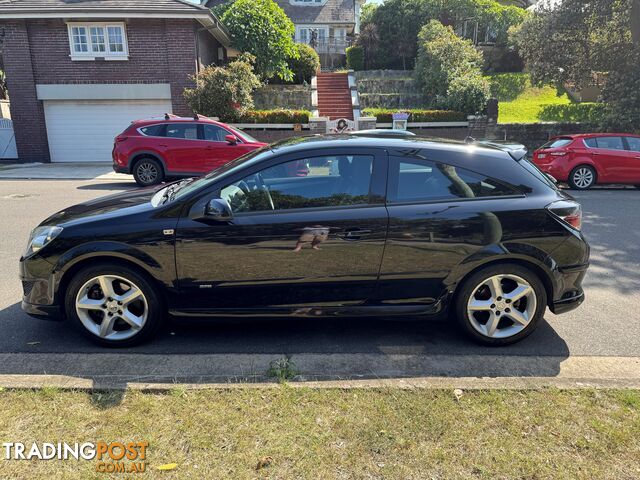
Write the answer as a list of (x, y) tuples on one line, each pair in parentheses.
[(295, 97)]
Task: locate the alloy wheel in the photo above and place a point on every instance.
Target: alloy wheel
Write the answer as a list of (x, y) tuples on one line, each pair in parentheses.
[(502, 306), (112, 307), (147, 172), (583, 177)]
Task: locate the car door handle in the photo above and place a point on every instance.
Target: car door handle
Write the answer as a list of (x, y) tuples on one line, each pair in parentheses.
[(355, 234)]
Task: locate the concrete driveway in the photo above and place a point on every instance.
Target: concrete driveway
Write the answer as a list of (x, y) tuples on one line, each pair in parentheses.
[(597, 344)]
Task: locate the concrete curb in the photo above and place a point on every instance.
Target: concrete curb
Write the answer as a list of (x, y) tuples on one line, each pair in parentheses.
[(216, 371)]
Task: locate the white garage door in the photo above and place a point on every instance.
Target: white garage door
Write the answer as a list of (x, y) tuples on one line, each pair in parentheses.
[(83, 131)]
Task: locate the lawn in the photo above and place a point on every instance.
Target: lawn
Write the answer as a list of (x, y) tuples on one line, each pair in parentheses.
[(285, 432), (520, 102)]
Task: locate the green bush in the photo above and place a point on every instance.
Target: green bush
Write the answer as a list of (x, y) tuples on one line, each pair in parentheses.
[(384, 115), (355, 57), (468, 94), (224, 92), (449, 70), (305, 65), (573, 112), (275, 116)]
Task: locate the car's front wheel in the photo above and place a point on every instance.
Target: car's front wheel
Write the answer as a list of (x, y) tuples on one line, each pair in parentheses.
[(114, 306), (501, 304), (582, 177), (148, 171)]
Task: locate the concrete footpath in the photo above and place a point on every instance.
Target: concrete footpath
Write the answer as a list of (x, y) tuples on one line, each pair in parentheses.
[(163, 372), (62, 171)]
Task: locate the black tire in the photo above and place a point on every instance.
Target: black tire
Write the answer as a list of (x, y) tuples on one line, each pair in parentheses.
[(468, 288), (155, 308), (573, 177), (148, 171)]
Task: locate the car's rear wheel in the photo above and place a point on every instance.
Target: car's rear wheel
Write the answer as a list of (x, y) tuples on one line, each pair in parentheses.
[(114, 306), (148, 171), (501, 304), (582, 177)]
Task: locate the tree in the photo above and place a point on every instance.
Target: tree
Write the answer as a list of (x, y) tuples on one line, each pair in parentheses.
[(224, 92), (398, 23), (261, 27), (576, 40), (448, 70)]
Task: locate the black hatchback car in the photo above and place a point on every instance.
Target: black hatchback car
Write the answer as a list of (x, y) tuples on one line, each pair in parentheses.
[(376, 226)]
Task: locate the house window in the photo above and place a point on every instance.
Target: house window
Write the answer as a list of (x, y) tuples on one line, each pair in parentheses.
[(103, 40)]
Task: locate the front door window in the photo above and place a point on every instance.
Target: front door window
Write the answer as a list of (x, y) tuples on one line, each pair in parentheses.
[(304, 183)]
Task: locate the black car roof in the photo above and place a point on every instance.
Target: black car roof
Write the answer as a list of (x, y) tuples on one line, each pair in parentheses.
[(295, 144)]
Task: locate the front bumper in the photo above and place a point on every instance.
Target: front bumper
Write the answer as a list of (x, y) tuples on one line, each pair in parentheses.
[(39, 297)]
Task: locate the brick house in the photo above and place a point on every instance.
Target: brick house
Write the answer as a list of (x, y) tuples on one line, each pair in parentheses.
[(79, 71)]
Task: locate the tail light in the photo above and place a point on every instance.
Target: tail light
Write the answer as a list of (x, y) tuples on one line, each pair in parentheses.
[(558, 154), (567, 211), (120, 138)]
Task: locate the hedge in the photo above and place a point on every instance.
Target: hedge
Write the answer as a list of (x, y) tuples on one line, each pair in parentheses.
[(276, 116), (355, 57), (384, 115)]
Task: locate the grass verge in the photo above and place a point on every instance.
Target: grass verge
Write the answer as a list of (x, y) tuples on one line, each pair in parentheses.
[(331, 433), (520, 102)]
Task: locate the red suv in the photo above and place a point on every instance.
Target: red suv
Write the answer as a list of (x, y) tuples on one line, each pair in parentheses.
[(156, 149), (587, 159)]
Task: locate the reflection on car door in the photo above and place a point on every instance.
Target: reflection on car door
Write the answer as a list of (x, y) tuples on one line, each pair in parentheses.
[(294, 240), (433, 227)]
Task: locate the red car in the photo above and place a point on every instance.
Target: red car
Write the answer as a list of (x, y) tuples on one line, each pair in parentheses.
[(156, 149), (594, 158)]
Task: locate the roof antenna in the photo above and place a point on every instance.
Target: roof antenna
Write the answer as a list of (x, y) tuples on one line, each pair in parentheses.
[(196, 116), (166, 116)]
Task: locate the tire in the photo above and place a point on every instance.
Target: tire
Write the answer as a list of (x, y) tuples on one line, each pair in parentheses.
[(148, 171), (146, 311), (488, 311), (582, 177)]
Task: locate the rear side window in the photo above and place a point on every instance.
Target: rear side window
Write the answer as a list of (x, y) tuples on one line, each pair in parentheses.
[(610, 143), (153, 130), (187, 131), (558, 143), (421, 180), (634, 144), (591, 142)]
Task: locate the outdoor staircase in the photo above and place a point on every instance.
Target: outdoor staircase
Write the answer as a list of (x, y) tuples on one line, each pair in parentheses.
[(334, 96)]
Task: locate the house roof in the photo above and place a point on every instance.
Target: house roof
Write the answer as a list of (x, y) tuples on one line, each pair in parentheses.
[(333, 11), (44, 8), (102, 9)]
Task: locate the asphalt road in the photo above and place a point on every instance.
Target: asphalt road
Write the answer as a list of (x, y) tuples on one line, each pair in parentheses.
[(607, 324)]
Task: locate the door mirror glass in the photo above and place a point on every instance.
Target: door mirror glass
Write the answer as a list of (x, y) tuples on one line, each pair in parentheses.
[(218, 209), (231, 139)]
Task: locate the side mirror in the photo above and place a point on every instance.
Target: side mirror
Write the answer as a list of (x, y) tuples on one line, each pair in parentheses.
[(219, 210), (231, 139)]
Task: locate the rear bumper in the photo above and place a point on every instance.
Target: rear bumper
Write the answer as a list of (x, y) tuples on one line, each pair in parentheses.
[(570, 294)]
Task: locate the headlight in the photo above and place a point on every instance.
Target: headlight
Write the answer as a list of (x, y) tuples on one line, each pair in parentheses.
[(40, 237)]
